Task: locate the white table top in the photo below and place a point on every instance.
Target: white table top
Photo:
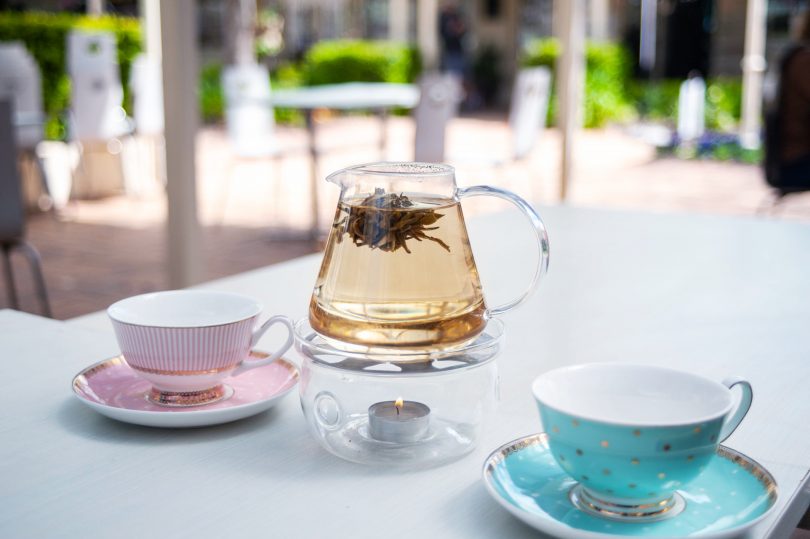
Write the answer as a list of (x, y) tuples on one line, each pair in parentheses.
[(712, 295), (351, 95)]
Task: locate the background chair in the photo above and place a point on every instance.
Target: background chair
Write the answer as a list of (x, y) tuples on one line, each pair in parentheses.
[(97, 121), (249, 119), (527, 116), (691, 109), (96, 93), (58, 162), (12, 215), (527, 111), (144, 167), (146, 82), (440, 95), (20, 83)]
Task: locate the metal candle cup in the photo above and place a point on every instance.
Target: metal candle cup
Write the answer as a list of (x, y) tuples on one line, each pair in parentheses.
[(406, 423)]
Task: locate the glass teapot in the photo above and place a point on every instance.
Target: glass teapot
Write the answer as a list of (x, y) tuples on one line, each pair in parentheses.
[(398, 270)]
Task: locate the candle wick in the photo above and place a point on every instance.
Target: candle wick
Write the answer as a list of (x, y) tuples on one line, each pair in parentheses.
[(397, 408)]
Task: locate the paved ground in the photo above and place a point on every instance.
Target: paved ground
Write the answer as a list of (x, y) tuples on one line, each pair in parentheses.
[(110, 248)]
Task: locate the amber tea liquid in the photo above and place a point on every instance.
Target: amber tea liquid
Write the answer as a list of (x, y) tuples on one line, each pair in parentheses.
[(398, 272)]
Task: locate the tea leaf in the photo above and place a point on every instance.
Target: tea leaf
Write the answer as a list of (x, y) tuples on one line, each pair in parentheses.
[(386, 222)]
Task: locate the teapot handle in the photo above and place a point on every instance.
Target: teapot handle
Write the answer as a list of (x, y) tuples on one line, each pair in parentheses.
[(539, 230)]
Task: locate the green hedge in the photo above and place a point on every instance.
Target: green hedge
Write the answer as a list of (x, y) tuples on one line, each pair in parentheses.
[(612, 95), (607, 74), (212, 100), (658, 100), (330, 62), (45, 34), (723, 103), (327, 62)]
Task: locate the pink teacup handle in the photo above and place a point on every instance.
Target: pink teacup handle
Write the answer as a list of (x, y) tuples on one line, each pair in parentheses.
[(735, 418), (246, 365)]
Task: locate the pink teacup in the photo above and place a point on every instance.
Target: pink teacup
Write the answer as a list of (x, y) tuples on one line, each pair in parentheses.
[(185, 342)]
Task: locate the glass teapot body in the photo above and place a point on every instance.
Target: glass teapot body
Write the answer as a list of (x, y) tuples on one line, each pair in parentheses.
[(398, 270)]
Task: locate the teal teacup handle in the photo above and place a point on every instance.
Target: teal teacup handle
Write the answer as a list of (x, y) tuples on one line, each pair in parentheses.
[(735, 418)]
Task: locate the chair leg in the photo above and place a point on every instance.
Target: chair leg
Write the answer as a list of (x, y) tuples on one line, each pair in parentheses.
[(8, 272), (46, 200), (276, 184), (382, 114), (771, 203), (35, 262), (225, 194)]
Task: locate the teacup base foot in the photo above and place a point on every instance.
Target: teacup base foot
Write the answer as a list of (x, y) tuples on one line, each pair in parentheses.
[(646, 512), (183, 399)]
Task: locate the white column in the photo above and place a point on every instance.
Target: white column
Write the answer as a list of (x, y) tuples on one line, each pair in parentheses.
[(179, 37), (599, 20), (753, 67), (150, 23), (398, 20), (239, 32), (427, 32), (95, 7), (570, 79)]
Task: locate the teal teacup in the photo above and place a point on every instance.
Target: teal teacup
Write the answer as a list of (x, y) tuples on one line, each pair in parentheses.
[(631, 435)]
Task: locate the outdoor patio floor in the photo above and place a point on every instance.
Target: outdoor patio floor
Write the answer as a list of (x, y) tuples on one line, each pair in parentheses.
[(103, 250)]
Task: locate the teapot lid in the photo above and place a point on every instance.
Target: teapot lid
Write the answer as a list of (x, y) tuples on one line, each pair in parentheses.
[(412, 171)]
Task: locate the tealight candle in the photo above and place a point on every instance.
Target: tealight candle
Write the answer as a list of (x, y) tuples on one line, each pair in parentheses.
[(398, 421)]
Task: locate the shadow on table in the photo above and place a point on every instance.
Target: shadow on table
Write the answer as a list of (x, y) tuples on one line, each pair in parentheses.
[(477, 514), (77, 419), (275, 452)]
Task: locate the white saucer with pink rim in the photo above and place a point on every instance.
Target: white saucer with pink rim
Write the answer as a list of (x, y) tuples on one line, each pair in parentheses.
[(114, 389)]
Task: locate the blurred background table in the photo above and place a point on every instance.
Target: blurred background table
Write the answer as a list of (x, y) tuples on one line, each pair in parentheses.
[(711, 295), (377, 96)]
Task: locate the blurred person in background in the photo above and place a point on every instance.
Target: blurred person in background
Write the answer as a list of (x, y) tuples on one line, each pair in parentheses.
[(453, 29), (791, 144)]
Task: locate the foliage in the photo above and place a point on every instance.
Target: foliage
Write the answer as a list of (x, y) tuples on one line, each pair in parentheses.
[(607, 74), (212, 100), (658, 101), (45, 35), (269, 33), (287, 76), (327, 62), (723, 103), (611, 94), (330, 62), (715, 146)]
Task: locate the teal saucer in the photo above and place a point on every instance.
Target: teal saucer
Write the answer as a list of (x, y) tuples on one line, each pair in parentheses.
[(731, 495)]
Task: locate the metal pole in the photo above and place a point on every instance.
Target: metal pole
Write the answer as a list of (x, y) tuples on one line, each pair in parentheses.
[(570, 78), (315, 227), (753, 66), (179, 38), (398, 20)]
